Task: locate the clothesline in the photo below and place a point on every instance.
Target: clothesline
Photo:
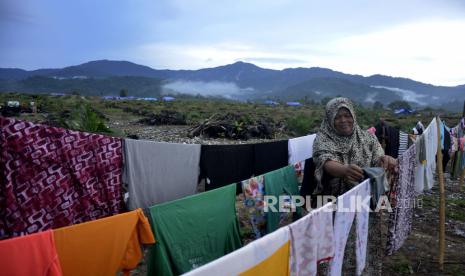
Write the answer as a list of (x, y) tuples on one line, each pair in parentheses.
[(102, 142)]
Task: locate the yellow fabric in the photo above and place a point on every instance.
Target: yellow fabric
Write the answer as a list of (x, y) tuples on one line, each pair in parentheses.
[(103, 246), (275, 265)]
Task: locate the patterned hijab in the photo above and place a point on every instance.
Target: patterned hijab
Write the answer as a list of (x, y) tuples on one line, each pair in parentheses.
[(360, 148)]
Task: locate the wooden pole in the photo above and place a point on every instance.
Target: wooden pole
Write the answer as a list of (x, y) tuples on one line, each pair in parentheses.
[(442, 201)]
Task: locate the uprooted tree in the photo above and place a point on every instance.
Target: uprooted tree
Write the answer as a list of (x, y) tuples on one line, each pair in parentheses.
[(234, 126)]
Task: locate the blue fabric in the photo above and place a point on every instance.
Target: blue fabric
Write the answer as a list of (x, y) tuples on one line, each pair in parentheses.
[(441, 128)]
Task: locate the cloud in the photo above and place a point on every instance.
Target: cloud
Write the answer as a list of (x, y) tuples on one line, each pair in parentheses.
[(370, 98), (407, 95), (210, 89), (196, 56), (428, 51)]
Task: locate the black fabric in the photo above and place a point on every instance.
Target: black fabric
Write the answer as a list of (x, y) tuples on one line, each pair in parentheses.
[(377, 182), (447, 139), (381, 134), (270, 156), (392, 149), (226, 164), (445, 150), (309, 182), (388, 137)]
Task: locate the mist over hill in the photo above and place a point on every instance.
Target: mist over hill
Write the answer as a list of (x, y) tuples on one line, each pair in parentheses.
[(239, 80)]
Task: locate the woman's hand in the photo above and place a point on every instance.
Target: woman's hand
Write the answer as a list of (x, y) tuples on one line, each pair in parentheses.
[(353, 173), (350, 172), (388, 163)]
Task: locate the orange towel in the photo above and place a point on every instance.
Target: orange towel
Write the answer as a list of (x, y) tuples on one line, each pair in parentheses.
[(33, 254), (103, 246)]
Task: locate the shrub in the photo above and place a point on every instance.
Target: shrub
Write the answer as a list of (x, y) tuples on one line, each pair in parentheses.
[(301, 124)]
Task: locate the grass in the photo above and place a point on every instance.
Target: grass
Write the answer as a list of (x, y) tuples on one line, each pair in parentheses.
[(403, 268), (456, 209), (297, 120)]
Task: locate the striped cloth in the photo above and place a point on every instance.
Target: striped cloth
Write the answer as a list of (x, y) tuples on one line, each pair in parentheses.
[(403, 142)]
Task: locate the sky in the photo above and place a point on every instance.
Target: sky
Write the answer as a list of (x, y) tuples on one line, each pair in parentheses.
[(419, 39)]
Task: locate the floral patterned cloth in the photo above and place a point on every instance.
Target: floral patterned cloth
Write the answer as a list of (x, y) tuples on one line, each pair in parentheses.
[(400, 221), (299, 171), (312, 241), (52, 177), (254, 191)]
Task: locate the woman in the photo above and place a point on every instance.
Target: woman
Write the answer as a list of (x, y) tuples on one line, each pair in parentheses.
[(341, 149)]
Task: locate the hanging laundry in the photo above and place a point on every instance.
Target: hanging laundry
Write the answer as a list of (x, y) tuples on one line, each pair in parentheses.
[(400, 221), (309, 182), (403, 143), (431, 141), (388, 137), (394, 136), (342, 224), (277, 264), (299, 171), (372, 130), (267, 256), (456, 165), (382, 133), (441, 129), (193, 231), (420, 171), (379, 184), (226, 164), (420, 128), (54, 177), (281, 183), (301, 148), (254, 190), (104, 246), (446, 146), (454, 144), (312, 241), (159, 172), (34, 254), (270, 156)]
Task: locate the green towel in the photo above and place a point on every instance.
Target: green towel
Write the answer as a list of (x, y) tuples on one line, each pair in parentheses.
[(281, 182), (193, 231)]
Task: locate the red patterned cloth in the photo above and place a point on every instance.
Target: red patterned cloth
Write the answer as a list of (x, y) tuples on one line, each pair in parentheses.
[(52, 177)]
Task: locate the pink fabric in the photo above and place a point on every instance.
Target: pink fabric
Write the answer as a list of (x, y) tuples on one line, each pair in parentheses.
[(372, 130), (52, 177), (461, 143)]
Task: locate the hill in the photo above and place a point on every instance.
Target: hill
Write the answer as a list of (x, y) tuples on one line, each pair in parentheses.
[(105, 76)]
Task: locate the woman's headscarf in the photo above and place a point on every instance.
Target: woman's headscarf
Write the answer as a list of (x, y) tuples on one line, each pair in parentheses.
[(359, 148)]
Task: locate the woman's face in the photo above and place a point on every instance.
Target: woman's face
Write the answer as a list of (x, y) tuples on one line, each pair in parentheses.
[(343, 122)]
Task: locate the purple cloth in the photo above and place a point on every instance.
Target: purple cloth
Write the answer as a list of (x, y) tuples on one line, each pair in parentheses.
[(402, 202), (52, 177)]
